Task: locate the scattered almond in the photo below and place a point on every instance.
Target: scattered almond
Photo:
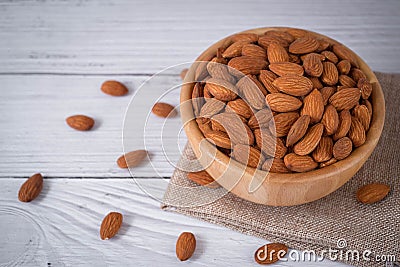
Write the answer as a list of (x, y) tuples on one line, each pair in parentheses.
[(31, 188), (80, 122), (372, 193), (131, 159), (203, 178), (110, 225), (164, 110), (114, 88), (185, 246)]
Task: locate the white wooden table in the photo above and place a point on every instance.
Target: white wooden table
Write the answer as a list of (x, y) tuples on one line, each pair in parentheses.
[(54, 55)]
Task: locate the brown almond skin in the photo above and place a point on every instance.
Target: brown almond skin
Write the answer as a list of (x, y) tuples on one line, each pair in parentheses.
[(294, 85), (344, 67), (164, 110), (219, 138), (330, 74), (312, 65), (372, 193), (110, 225), (345, 99), (362, 114), (267, 77), (80, 122), (298, 130), (344, 53), (131, 159), (274, 251), (298, 163), (324, 151), (282, 123), (275, 165), (245, 65), (114, 88), (313, 106), (330, 120), (344, 125), (357, 132), (277, 53), (282, 102), (185, 246), (203, 178), (342, 148), (211, 107), (239, 106), (310, 140), (247, 155), (286, 68), (31, 188), (253, 50), (304, 45)]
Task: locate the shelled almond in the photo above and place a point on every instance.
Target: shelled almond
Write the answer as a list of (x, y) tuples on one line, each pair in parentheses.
[(285, 101)]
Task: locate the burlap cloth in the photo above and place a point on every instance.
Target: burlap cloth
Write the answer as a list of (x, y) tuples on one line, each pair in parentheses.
[(318, 225)]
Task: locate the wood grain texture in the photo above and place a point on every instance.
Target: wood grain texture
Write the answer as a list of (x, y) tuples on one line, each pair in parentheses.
[(34, 136), (62, 225), (146, 36)]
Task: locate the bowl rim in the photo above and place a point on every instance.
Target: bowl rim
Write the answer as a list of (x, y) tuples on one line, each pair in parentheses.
[(356, 157)]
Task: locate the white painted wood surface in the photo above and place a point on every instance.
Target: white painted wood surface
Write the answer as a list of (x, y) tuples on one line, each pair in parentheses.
[(54, 55)]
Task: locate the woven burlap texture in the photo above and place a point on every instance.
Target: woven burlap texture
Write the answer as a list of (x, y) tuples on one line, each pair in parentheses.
[(318, 225)]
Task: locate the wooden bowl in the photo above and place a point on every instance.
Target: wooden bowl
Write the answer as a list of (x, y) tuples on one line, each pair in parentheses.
[(278, 189)]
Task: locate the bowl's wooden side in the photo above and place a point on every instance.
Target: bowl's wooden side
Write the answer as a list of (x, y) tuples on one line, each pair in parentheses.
[(279, 189)]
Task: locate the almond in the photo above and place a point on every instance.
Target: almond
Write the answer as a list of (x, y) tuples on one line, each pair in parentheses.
[(297, 33), (80, 122), (298, 163), (261, 119), (246, 65), (344, 53), (183, 73), (330, 74), (164, 110), (221, 89), (326, 93), (204, 125), (277, 53), (253, 50), (270, 253), (269, 144), (282, 103), (345, 99), (330, 56), (327, 163), (324, 151), (219, 138), (347, 81), (201, 71), (110, 225), (216, 126), (280, 34), (248, 37), (323, 45), (31, 188), (316, 82), (282, 123), (240, 107), (185, 246), (344, 124), (344, 67), (342, 148), (304, 45), (285, 68), (298, 130), (247, 155), (234, 50), (294, 59), (372, 193), (211, 107), (330, 120), (313, 106), (251, 92), (275, 165), (362, 114), (368, 104), (357, 132), (365, 88), (220, 71), (312, 65), (265, 41), (114, 88), (197, 98), (203, 178), (357, 74), (131, 159), (294, 85), (310, 140), (267, 77), (237, 131)]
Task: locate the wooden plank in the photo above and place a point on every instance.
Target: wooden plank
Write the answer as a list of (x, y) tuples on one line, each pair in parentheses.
[(61, 227), (35, 138), (144, 37)]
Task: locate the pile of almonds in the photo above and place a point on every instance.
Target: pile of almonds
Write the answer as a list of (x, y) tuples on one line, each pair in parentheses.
[(285, 101)]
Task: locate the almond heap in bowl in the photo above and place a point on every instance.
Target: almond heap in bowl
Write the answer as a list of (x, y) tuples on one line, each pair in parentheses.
[(285, 101)]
